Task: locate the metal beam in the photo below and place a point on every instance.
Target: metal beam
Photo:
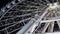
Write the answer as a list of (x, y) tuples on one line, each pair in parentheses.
[(14, 24), (9, 9), (53, 33), (31, 23), (26, 27), (51, 27), (58, 22), (50, 33), (45, 27), (46, 21)]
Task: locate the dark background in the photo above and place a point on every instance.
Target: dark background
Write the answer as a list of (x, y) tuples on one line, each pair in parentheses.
[(4, 2)]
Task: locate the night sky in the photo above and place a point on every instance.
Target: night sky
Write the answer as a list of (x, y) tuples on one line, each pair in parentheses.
[(4, 2)]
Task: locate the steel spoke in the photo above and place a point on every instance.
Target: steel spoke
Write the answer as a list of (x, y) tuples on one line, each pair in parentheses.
[(58, 22), (51, 27), (45, 27)]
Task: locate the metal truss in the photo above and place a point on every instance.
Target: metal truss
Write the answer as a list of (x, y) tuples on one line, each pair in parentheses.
[(49, 16), (30, 17)]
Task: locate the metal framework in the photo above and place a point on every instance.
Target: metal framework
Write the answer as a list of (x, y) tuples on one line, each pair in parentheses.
[(30, 17)]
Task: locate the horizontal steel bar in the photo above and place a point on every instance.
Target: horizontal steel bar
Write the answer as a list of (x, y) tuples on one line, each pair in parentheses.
[(49, 33), (51, 20)]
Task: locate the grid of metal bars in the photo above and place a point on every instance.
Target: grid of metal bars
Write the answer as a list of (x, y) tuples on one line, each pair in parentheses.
[(19, 12)]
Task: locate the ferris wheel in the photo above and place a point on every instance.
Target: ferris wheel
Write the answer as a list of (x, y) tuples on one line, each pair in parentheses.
[(30, 17)]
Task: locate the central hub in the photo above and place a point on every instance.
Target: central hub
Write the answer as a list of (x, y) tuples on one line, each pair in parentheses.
[(54, 6)]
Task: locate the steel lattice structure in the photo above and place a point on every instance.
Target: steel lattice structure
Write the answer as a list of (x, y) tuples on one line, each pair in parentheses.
[(30, 17)]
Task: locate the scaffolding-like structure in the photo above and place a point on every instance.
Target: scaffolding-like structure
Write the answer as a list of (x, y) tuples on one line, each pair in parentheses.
[(30, 17)]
